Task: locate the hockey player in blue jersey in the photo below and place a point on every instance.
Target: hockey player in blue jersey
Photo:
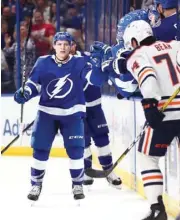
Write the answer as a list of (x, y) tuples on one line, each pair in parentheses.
[(96, 128), (167, 30), (59, 80)]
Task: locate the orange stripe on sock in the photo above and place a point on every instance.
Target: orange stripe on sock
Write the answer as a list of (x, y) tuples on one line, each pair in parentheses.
[(172, 103), (153, 177)]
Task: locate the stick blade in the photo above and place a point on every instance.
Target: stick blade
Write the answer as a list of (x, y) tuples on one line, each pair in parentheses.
[(96, 173)]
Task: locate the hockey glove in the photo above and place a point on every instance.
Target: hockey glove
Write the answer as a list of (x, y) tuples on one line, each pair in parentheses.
[(95, 61), (117, 65), (98, 46), (153, 116), (21, 98), (100, 50)]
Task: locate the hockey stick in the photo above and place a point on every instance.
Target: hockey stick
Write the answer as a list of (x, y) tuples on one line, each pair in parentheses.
[(15, 139), (24, 77), (104, 173)]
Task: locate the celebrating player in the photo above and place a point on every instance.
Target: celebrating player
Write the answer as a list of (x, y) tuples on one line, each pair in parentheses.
[(96, 128), (149, 64), (59, 79)]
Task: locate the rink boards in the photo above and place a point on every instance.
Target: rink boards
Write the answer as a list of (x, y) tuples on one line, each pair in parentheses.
[(125, 120)]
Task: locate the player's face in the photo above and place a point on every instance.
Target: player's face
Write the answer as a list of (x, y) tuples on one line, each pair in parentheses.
[(62, 49), (73, 49)]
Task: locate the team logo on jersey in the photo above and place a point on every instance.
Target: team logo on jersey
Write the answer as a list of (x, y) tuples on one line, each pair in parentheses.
[(59, 88), (135, 66)]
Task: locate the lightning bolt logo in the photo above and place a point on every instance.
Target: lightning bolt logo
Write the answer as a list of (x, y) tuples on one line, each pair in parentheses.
[(59, 86)]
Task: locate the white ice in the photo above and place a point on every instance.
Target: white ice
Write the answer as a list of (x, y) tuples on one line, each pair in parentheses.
[(56, 202)]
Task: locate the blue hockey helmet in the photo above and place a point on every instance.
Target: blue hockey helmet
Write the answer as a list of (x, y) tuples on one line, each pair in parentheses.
[(140, 14), (167, 3), (62, 36)]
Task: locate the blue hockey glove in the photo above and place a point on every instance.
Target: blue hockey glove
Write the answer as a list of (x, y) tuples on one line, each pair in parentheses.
[(95, 61), (123, 53), (153, 116), (100, 50), (98, 46), (107, 65), (21, 98), (117, 65)]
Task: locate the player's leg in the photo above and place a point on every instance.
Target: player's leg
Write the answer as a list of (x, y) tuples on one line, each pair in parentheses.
[(99, 129), (152, 146), (87, 155), (44, 131), (73, 134)]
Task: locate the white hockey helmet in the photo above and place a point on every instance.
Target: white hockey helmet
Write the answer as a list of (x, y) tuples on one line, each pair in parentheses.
[(139, 30)]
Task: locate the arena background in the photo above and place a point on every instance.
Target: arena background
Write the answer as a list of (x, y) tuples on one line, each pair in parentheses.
[(125, 118)]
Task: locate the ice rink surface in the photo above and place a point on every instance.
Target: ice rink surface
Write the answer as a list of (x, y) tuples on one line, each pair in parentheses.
[(56, 202)]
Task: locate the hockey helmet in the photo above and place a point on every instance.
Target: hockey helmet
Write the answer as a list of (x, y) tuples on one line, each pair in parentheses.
[(140, 14), (139, 30), (167, 3), (62, 36)]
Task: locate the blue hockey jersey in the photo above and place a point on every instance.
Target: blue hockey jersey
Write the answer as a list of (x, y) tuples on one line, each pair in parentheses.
[(61, 85), (92, 93), (166, 34)]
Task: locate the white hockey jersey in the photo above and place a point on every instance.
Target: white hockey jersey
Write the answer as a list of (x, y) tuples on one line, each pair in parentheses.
[(157, 73)]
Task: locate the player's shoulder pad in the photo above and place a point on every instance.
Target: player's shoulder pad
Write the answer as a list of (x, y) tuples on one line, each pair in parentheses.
[(82, 61), (43, 58)]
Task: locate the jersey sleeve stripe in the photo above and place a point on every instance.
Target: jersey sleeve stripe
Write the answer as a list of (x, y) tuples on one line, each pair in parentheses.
[(144, 68), (150, 75), (144, 74)]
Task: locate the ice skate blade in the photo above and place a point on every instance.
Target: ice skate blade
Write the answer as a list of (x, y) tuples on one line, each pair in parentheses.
[(89, 188), (32, 203), (79, 202)]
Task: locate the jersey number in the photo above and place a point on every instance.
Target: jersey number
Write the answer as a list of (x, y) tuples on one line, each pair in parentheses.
[(170, 65)]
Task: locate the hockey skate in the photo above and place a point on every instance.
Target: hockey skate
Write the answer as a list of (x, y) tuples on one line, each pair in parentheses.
[(158, 211), (78, 192), (114, 181), (87, 180), (35, 192)]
